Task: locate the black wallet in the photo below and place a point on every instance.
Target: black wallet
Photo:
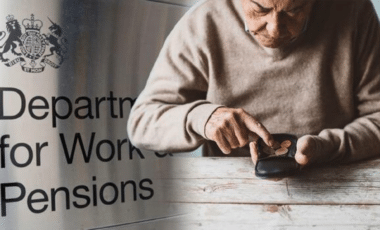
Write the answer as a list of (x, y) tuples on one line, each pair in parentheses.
[(272, 166)]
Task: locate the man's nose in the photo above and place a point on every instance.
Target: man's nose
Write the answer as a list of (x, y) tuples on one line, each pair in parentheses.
[(275, 25)]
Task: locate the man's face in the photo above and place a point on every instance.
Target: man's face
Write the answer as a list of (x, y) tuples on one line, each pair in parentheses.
[(275, 23)]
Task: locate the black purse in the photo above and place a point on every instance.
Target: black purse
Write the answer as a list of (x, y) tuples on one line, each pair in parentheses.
[(272, 166)]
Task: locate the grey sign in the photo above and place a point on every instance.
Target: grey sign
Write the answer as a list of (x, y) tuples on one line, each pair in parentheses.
[(70, 72)]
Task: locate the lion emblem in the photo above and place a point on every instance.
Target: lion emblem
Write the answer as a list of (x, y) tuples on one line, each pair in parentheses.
[(14, 29)]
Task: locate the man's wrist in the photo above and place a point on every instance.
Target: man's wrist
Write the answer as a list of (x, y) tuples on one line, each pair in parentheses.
[(199, 116)]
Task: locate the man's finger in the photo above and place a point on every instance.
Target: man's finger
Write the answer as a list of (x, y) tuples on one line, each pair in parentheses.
[(253, 137), (241, 133), (253, 151), (256, 127), (229, 135), (301, 158), (222, 143), (305, 150)]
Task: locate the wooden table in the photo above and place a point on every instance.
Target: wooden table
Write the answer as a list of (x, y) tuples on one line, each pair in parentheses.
[(223, 193)]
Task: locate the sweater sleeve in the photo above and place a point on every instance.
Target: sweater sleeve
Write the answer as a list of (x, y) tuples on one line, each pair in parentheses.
[(360, 139), (171, 112)]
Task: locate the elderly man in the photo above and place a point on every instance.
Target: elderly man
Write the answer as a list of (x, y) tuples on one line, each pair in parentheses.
[(235, 70)]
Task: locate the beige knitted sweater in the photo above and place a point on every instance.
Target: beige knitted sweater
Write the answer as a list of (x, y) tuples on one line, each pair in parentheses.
[(325, 83)]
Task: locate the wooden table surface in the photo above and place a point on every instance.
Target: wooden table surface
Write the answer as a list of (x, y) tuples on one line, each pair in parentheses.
[(223, 193)]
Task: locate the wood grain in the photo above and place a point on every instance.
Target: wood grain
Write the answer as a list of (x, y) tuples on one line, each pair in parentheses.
[(223, 194), (232, 181), (277, 217)]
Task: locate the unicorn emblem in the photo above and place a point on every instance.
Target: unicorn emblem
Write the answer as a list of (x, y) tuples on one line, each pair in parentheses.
[(58, 43)]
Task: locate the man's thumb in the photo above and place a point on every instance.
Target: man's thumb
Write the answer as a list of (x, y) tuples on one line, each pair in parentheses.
[(305, 150)]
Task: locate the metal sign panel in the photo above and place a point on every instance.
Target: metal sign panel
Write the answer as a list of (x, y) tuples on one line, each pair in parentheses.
[(70, 72)]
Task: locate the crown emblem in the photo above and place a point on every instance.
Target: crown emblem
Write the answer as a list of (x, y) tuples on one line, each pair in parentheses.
[(31, 24), (10, 18)]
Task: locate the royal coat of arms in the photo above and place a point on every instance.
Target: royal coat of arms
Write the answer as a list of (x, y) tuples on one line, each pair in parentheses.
[(29, 48)]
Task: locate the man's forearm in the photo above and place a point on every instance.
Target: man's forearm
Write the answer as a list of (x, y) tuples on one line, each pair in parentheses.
[(356, 141), (169, 127)]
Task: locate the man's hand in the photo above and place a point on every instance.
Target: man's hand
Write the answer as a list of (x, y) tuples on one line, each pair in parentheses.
[(232, 128), (310, 149)]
